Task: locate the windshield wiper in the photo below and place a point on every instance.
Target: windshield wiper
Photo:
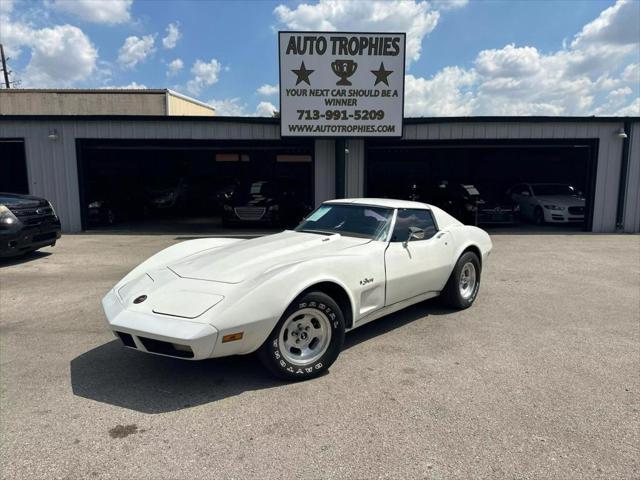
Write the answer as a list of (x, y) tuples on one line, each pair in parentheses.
[(321, 232)]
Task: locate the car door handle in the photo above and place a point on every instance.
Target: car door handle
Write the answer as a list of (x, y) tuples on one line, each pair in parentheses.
[(441, 234)]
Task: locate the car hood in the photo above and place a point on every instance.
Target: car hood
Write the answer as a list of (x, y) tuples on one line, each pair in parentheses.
[(562, 200), (236, 262)]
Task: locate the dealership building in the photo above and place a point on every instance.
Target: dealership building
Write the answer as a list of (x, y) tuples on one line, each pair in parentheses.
[(75, 147)]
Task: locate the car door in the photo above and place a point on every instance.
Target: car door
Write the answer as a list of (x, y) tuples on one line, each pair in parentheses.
[(419, 266), (522, 195)]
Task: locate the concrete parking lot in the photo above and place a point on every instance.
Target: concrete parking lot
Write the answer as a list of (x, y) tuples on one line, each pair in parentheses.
[(539, 379)]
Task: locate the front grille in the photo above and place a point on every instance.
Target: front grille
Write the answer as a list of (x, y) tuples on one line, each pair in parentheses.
[(165, 348), (33, 216), (576, 210), (249, 213)]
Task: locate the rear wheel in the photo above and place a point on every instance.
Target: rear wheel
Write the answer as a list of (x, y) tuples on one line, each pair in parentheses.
[(463, 284), (306, 340)]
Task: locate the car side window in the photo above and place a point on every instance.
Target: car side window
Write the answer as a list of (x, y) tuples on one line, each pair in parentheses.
[(409, 217)]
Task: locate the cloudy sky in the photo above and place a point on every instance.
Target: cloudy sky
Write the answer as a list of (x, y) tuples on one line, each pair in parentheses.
[(464, 57)]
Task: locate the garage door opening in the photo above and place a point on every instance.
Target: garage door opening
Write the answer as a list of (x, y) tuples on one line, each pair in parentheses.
[(13, 165), (193, 186), (535, 185)]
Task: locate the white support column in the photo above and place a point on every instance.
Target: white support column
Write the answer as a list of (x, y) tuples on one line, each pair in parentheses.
[(324, 170), (355, 169)]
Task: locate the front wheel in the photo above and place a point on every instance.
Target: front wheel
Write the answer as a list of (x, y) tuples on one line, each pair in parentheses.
[(306, 340), (463, 284)]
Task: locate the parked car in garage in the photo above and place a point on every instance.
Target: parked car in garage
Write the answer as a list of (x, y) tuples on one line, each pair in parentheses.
[(27, 224), (266, 202), (549, 202), (494, 207)]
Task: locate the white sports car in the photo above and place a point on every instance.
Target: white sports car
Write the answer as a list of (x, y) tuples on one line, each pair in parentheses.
[(292, 296)]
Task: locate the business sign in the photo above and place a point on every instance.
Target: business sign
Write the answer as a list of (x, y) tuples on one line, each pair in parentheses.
[(336, 84)]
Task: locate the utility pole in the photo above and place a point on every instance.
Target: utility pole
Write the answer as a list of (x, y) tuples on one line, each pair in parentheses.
[(7, 84)]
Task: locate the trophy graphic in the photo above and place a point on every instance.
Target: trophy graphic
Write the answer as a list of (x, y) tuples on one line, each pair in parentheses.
[(344, 69)]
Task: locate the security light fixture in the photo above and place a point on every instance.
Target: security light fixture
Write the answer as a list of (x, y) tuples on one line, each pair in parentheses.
[(53, 134), (621, 133)]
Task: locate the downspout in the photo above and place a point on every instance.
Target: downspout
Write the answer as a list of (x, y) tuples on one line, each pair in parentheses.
[(622, 186), (166, 102)]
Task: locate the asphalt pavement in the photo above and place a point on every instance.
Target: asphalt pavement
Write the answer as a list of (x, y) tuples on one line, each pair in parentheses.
[(539, 379)]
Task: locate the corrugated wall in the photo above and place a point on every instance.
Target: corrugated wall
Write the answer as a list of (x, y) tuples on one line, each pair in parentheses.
[(632, 204), (609, 153), (52, 165)]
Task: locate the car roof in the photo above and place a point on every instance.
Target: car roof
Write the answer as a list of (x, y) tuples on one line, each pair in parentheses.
[(381, 202)]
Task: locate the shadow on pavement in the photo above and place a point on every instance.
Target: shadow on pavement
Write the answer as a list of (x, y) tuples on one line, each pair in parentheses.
[(28, 257), (152, 384)]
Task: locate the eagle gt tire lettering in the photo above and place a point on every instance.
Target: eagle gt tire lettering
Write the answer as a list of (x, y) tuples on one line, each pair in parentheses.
[(307, 339)]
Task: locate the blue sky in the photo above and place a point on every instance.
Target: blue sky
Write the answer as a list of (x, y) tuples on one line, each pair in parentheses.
[(482, 57)]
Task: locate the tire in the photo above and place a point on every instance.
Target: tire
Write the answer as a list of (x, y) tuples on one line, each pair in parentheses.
[(313, 312), (538, 216), (457, 293)]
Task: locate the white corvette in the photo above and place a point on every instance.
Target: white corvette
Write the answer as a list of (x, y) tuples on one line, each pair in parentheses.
[(292, 296)]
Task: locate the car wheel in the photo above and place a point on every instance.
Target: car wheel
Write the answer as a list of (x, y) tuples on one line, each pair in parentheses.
[(306, 340), (463, 284), (538, 216)]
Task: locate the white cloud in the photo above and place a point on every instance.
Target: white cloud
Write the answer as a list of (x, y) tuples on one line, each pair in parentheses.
[(417, 18), (594, 75), (6, 7), (268, 90), (135, 50), (60, 56), (229, 107), (446, 93), (631, 110), (265, 109), (204, 75), (131, 86), (175, 66), (448, 4), (97, 11), (234, 107), (173, 35)]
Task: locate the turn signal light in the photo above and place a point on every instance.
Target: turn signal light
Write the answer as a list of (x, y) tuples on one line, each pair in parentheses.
[(232, 337)]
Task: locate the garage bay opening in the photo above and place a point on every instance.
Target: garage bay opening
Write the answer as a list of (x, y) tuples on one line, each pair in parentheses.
[(194, 186)]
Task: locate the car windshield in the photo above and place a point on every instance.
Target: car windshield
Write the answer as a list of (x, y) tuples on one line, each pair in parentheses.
[(349, 220), (550, 189)]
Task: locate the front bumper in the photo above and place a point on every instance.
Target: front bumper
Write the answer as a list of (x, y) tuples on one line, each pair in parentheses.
[(159, 334), (561, 216), (26, 239)]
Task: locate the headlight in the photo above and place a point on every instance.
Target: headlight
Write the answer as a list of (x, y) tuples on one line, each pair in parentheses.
[(97, 204), (516, 208), (553, 207), (273, 208), (228, 208), (7, 217)]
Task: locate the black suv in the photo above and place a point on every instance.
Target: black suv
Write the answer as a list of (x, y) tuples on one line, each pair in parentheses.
[(26, 224)]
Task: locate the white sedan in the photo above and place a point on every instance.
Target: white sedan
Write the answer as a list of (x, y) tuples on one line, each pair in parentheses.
[(549, 202), (292, 296)]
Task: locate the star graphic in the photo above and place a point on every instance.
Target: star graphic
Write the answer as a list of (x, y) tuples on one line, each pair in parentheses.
[(303, 74), (381, 75)]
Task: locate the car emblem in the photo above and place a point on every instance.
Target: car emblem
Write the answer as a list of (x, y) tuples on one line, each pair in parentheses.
[(140, 299)]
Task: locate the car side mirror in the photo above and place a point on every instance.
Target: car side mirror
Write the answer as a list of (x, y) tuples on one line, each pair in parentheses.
[(415, 233)]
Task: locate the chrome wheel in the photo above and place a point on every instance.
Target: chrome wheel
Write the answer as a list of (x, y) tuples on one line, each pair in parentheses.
[(467, 283), (305, 336)]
